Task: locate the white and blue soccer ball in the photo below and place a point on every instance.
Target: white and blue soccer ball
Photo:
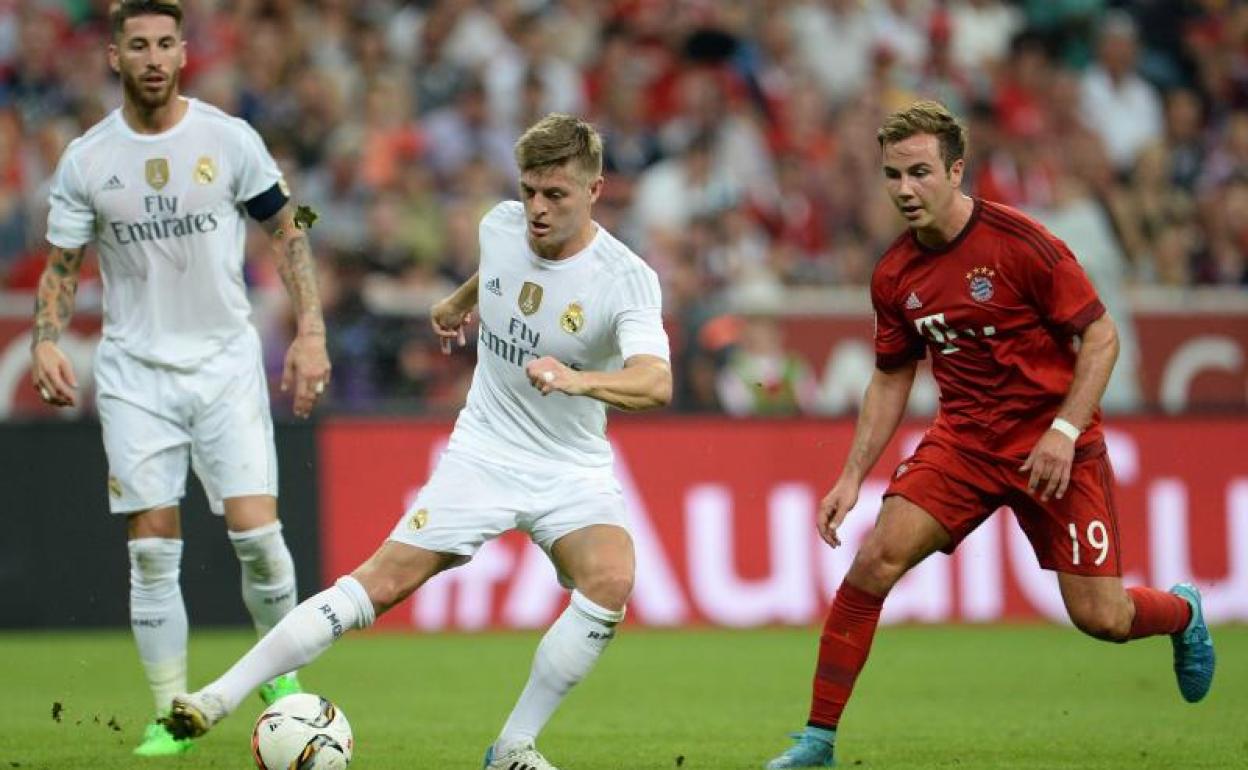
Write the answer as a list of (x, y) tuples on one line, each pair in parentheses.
[(302, 732)]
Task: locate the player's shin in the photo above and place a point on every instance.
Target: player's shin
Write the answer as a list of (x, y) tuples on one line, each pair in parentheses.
[(1157, 612), (268, 574), (158, 615), (843, 650), (299, 638), (565, 655)]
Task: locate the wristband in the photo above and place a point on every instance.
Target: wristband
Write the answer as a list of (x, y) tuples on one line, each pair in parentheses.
[(1066, 428)]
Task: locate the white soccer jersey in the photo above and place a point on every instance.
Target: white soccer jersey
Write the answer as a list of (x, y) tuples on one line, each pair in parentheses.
[(591, 311), (165, 212)]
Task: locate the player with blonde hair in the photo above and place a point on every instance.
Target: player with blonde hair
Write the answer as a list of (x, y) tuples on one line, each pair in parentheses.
[(570, 323)]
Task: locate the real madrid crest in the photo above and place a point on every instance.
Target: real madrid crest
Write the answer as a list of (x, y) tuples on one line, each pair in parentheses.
[(573, 319), (980, 280), (530, 298), (157, 172), (419, 519), (205, 170)]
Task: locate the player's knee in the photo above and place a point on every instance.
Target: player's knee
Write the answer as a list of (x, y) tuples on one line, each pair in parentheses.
[(155, 563), (608, 587), (1100, 621), (263, 554), (876, 568)]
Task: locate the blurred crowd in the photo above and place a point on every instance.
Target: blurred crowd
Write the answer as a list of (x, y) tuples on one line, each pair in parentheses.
[(741, 157)]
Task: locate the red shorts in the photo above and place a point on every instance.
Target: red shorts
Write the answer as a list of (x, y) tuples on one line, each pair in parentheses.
[(1077, 534)]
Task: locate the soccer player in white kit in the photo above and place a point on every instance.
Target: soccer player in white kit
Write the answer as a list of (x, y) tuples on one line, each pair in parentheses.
[(570, 322), (160, 186)]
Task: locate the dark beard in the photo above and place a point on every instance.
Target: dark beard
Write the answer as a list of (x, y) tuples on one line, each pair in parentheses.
[(137, 96)]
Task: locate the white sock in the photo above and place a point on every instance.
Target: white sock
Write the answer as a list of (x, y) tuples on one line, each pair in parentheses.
[(158, 615), (268, 574), (298, 639), (565, 655)]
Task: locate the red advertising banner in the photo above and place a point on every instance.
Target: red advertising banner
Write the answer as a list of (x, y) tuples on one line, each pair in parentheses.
[(722, 513)]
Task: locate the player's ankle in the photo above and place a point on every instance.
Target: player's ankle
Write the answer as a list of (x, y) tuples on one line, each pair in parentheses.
[(825, 734), (509, 743)]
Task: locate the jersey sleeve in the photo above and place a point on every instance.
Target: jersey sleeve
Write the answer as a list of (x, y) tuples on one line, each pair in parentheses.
[(71, 219), (896, 344), (1061, 290), (639, 321), (257, 171)]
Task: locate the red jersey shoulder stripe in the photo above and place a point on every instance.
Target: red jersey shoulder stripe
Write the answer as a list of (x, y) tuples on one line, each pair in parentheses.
[(1014, 215), (1026, 231), (1009, 220)]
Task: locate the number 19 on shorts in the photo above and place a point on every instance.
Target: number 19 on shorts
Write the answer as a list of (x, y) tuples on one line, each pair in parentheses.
[(1097, 537)]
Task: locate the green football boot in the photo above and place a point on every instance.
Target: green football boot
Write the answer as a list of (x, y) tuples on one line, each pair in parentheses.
[(279, 687), (159, 742)]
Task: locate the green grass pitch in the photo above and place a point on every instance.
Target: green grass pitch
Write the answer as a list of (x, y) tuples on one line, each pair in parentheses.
[(931, 697)]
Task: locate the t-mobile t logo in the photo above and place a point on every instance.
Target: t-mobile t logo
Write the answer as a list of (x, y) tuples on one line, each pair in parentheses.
[(934, 328)]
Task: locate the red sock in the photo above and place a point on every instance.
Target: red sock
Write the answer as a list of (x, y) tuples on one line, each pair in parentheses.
[(1158, 612), (843, 650)]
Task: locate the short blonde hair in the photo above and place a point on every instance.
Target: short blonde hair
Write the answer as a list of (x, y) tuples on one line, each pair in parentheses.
[(926, 117), (557, 139)]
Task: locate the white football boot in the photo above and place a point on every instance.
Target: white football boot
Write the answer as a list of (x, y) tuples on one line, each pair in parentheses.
[(519, 758), (194, 714)]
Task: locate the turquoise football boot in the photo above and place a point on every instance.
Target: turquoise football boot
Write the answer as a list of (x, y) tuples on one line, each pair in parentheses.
[(1193, 649), (814, 747)]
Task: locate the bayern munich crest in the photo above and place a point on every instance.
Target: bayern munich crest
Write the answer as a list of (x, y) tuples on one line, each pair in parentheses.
[(981, 283)]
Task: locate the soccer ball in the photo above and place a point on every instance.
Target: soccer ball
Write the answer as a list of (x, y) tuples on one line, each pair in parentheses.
[(302, 732)]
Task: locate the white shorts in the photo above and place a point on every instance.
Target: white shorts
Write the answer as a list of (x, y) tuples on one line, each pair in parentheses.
[(156, 419), (468, 501)]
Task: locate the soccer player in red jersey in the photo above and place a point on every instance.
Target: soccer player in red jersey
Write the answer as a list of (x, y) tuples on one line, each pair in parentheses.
[(1022, 349)]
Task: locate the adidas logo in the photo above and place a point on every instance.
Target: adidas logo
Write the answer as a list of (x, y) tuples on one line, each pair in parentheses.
[(113, 183), (495, 286), (912, 302)]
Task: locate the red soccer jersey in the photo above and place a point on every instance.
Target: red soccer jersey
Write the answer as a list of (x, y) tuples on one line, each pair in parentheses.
[(998, 307)]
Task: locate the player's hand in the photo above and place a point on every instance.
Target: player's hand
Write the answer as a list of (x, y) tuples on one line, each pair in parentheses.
[(547, 374), (834, 507), (1049, 463), (448, 320), (307, 371), (52, 375)]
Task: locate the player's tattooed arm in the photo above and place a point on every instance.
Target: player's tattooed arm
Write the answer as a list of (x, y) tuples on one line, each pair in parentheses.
[(54, 300), (307, 365), (296, 268), (51, 373)]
